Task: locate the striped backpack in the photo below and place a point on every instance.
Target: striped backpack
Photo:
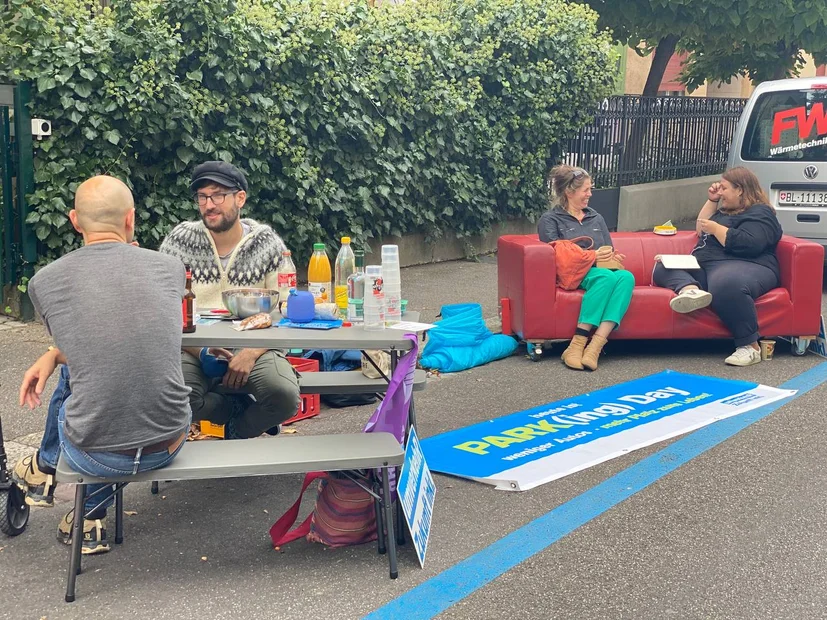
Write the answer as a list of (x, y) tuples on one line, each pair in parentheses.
[(344, 513), (343, 516)]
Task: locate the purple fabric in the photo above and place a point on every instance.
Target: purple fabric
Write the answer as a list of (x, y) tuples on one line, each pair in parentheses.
[(391, 416)]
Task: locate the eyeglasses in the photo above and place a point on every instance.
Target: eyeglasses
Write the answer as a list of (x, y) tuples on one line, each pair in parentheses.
[(217, 198)]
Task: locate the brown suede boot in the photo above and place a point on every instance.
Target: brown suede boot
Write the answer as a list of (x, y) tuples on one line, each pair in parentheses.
[(574, 352), (592, 352)]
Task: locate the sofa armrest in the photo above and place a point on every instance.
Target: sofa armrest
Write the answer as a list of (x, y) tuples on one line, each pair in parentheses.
[(527, 276), (802, 270)]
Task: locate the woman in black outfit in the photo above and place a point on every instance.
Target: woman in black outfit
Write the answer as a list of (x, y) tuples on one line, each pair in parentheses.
[(738, 233)]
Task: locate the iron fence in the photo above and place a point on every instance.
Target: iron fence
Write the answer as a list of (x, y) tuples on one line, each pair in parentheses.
[(636, 139)]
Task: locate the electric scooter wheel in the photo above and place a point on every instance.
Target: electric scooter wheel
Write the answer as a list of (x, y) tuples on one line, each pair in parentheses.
[(14, 512)]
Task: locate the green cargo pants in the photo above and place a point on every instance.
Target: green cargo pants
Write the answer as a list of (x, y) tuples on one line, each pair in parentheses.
[(607, 297)]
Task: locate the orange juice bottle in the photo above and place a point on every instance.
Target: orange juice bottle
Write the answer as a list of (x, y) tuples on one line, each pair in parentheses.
[(318, 274)]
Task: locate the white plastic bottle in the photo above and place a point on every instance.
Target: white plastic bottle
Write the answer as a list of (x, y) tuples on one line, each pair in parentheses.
[(374, 304)]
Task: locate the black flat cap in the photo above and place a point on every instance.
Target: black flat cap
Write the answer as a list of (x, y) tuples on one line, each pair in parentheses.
[(218, 172)]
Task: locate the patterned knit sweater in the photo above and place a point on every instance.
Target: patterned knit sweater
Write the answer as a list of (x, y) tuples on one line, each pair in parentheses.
[(253, 263)]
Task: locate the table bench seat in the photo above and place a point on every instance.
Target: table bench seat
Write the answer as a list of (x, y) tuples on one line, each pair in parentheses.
[(350, 382), (266, 456), (199, 460)]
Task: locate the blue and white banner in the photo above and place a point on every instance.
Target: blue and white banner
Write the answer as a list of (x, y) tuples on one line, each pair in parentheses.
[(532, 447), (418, 493), (819, 344)]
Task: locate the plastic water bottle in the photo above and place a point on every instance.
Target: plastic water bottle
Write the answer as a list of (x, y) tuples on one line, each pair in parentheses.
[(345, 266), (356, 290), (374, 304)]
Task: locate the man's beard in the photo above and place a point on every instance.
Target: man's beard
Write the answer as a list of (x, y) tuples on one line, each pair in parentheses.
[(222, 225)]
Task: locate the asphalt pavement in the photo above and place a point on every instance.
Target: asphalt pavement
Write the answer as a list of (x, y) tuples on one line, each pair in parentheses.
[(735, 532)]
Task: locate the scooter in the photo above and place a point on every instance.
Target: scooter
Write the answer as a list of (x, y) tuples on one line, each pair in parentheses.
[(14, 512)]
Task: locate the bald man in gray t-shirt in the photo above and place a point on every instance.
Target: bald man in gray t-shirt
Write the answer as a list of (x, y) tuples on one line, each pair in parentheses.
[(114, 311)]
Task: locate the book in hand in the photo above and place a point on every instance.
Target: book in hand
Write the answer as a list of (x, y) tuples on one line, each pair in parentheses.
[(679, 261)]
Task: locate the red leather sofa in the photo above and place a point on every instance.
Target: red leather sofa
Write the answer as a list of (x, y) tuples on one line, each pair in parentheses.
[(540, 311)]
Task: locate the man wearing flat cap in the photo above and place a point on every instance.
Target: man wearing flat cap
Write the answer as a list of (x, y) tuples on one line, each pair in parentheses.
[(226, 251)]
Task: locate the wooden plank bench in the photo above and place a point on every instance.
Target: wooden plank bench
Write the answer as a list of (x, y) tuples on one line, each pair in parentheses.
[(254, 457)]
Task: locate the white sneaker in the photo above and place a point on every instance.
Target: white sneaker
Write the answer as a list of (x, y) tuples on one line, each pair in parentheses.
[(690, 300), (744, 356)]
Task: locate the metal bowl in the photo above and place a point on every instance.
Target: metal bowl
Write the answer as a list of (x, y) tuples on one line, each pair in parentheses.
[(244, 302)]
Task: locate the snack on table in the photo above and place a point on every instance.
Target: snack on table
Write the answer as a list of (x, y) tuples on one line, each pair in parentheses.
[(666, 229), (327, 311), (257, 321)]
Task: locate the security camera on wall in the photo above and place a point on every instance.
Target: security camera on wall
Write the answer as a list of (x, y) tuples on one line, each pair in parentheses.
[(41, 128)]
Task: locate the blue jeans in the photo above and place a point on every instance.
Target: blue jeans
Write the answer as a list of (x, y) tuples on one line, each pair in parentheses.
[(100, 464)]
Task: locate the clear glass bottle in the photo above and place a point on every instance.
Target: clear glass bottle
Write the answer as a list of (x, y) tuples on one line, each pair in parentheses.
[(286, 276), (356, 290)]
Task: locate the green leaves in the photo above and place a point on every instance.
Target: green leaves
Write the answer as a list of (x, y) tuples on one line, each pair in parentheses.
[(84, 90), (759, 38), (435, 117), (45, 83), (113, 136)]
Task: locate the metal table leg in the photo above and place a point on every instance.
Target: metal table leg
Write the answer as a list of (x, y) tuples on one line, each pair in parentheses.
[(386, 500), (119, 515), (77, 542), (380, 527)]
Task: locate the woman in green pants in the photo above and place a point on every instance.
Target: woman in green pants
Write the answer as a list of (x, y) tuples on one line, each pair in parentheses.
[(608, 292)]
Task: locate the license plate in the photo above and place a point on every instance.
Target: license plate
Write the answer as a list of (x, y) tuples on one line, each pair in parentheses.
[(814, 198)]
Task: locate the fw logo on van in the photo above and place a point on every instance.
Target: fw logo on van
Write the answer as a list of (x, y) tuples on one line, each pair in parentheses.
[(798, 117)]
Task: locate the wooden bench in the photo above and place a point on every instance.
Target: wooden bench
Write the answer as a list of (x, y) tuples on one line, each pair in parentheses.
[(256, 457)]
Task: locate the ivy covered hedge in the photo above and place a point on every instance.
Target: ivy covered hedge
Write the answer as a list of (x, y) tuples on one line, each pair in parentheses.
[(438, 116)]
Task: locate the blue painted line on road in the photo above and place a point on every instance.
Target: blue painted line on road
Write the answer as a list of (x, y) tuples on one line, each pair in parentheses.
[(440, 592)]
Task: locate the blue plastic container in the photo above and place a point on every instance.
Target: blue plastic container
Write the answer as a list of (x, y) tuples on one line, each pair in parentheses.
[(301, 307)]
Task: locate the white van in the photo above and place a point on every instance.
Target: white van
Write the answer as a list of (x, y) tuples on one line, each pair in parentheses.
[(782, 138)]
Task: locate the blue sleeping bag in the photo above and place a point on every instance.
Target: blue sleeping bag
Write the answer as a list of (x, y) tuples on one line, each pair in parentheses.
[(461, 341)]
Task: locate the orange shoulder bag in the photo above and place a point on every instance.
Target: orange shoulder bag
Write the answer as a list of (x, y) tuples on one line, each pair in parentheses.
[(572, 261)]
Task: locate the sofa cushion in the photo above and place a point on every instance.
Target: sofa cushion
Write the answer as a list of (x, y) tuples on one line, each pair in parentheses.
[(641, 248), (774, 317), (649, 313), (776, 313)]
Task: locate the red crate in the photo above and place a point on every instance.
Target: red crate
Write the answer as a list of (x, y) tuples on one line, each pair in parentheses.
[(310, 403)]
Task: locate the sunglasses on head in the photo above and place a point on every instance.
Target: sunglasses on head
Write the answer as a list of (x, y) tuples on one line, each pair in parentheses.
[(577, 173)]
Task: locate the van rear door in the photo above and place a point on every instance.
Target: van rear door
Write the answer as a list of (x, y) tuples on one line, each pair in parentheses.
[(785, 144)]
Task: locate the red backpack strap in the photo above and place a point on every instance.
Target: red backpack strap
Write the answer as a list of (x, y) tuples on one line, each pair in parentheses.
[(279, 532)]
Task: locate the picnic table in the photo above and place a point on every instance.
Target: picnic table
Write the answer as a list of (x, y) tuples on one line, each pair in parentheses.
[(206, 460)]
